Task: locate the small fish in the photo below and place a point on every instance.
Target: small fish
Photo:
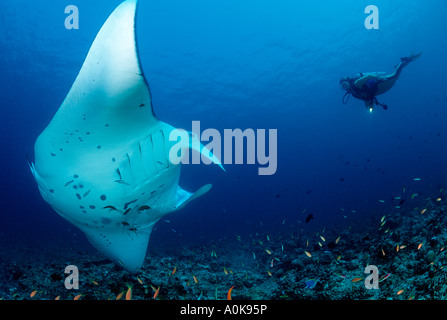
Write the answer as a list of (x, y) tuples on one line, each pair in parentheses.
[(414, 195), (420, 245), (439, 199), (268, 239), (382, 219), (57, 298), (119, 296), (310, 284), (271, 263), (397, 248), (384, 277), (33, 294), (381, 201), (268, 251), (309, 217), (338, 258), (383, 252), (357, 279), (402, 247), (282, 248), (320, 244), (322, 238), (417, 179), (68, 183), (338, 239), (77, 297), (254, 256), (229, 293), (225, 270), (174, 270), (156, 292), (195, 279), (400, 291), (95, 283), (423, 211), (269, 273), (139, 280), (308, 254), (129, 293)]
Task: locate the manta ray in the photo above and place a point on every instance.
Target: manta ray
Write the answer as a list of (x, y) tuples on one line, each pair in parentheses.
[(103, 161)]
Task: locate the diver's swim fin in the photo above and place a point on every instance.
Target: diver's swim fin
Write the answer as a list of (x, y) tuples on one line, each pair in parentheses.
[(407, 60)]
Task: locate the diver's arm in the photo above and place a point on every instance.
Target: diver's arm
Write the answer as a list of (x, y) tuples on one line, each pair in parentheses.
[(360, 82)]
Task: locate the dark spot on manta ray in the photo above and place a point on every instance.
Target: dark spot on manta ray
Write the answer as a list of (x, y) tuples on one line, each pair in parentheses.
[(82, 207), (75, 187), (103, 197), (78, 196), (87, 133), (107, 125), (143, 208), (106, 220), (81, 186), (75, 176), (142, 105), (125, 223), (51, 191), (92, 207), (86, 193), (53, 155), (99, 147), (113, 159)]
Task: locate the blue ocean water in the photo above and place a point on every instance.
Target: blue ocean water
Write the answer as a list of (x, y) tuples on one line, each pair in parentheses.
[(243, 64)]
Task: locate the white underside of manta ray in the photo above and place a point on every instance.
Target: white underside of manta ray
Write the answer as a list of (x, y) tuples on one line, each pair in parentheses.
[(103, 161)]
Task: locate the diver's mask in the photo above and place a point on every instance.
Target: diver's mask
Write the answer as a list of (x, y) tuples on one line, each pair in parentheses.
[(346, 84)]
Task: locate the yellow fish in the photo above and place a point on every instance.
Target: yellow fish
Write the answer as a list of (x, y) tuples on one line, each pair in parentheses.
[(423, 211), (139, 280), (268, 251), (322, 238), (338, 239), (420, 245), (357, 279), (120, 295), (78, 297), (308, 254), (225, 270), (195, 279), (400, 291), (129, 293), (33, 294)]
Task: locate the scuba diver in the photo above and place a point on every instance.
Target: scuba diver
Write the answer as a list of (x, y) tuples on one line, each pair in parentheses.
[(366, 86)]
